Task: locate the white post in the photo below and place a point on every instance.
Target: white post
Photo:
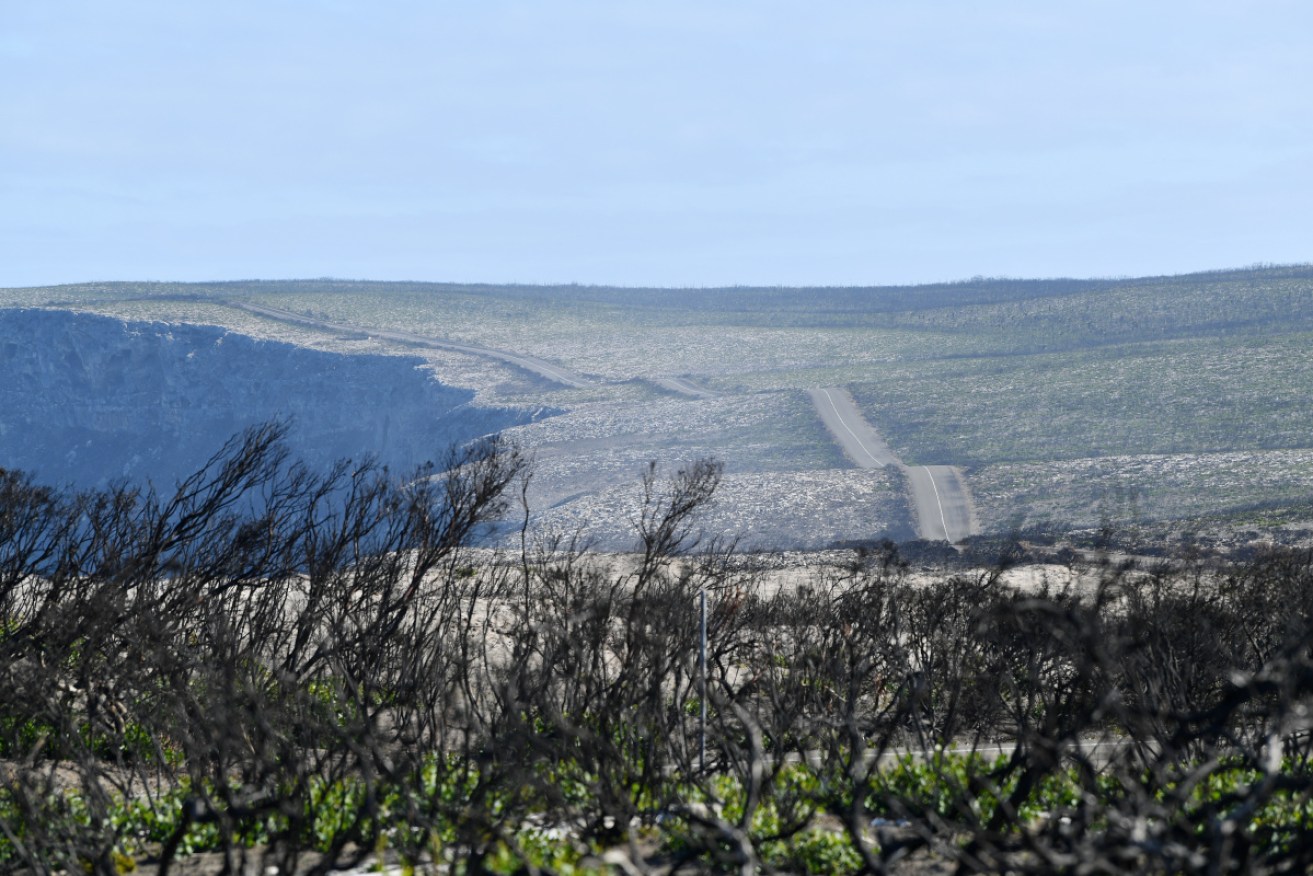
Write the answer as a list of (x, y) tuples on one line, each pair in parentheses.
[(702, 684)]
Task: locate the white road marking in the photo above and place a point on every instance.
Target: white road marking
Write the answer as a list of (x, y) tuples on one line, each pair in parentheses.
[(918, 496), (937, 501), (850, 431)]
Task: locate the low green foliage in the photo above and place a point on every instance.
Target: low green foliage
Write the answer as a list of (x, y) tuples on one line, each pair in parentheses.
[(959, 787), (817, 851)]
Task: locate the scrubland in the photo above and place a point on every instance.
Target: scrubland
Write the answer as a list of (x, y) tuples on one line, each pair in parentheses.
[(1144, 400), (282, 666)]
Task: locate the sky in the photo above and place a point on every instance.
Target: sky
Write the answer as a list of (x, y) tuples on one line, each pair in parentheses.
[(669, 143)]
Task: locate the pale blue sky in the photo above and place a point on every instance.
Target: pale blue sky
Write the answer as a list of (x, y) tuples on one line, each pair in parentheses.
[(663, 143)]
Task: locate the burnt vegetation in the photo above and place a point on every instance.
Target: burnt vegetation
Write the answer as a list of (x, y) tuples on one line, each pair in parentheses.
[(319, 668)]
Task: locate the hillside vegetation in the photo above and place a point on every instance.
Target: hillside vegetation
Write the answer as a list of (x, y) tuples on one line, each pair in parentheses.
[(90, 400), (1187, 392)]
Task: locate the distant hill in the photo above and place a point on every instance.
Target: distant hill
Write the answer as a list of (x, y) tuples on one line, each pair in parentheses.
[(1078, 402), (753, 303)]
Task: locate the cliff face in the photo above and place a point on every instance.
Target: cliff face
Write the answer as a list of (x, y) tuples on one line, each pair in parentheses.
[(86, 399)]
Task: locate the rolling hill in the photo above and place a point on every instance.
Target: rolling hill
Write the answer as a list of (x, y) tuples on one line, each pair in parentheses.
[(1064, 402)]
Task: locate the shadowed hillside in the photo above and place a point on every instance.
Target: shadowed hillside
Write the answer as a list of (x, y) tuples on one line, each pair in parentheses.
[(88, 400)]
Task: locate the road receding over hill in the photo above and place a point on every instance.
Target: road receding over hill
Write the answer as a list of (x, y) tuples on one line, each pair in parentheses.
[(683, 386), (860, 442), (542, 368), (941, 501)]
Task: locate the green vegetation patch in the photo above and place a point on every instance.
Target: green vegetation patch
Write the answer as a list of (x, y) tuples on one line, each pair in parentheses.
[(1121, 490), (1164, 398)]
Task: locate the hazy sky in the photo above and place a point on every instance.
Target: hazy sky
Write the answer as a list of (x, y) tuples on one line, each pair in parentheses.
[(662, 143)]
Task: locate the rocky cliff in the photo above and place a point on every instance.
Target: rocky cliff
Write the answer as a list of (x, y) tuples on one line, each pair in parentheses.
[(86, 400)]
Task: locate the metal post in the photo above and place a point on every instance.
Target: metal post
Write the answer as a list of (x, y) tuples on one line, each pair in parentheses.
[(702, 684)]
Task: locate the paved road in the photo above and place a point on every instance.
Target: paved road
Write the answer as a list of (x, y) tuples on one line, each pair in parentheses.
[(540, 367), (940, 499), (683, 387), (861, 443), (941, 502)]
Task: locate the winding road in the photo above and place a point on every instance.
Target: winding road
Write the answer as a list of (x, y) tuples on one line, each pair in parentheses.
[(941, 501), (532, 364)]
